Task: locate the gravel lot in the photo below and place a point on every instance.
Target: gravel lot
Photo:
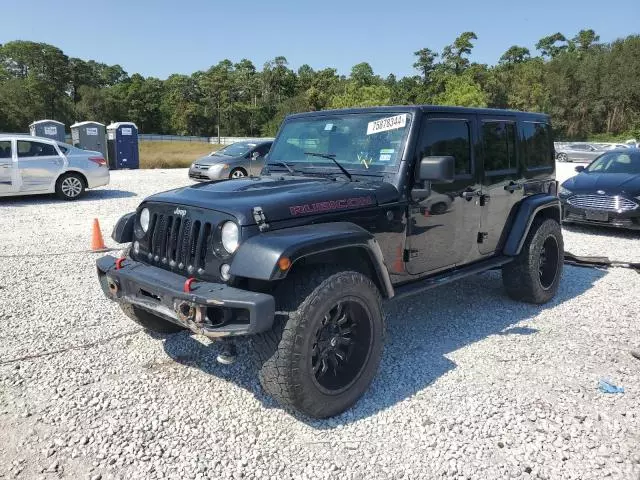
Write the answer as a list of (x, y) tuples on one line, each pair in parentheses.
[(472, 384)]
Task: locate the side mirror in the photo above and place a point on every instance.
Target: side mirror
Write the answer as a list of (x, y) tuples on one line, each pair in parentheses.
[(255, 156), (437, 169), (579, 168)]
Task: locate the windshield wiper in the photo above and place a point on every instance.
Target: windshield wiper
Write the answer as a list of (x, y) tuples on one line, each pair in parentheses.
[(332, 157), (283, 164)]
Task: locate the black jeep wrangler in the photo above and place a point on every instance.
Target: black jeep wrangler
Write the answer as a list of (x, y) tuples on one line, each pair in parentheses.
[(353, 207)]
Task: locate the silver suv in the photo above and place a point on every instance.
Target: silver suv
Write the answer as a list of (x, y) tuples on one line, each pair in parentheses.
[(36, 165)]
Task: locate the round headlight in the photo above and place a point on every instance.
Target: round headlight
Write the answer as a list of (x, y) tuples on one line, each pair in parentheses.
[(230, 237), (144, 219)]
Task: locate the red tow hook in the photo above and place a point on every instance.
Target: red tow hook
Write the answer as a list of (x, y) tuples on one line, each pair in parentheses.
[(187, 284), (119, 262)]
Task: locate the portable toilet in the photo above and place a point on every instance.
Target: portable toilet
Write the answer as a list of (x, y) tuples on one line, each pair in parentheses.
[(122, 145), (49, 129), (89, 136)]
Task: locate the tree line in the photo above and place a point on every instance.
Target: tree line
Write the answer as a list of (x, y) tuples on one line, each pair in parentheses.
[(590, 88)]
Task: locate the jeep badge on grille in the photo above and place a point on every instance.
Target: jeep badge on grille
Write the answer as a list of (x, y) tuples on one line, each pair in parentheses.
[(180, 212)]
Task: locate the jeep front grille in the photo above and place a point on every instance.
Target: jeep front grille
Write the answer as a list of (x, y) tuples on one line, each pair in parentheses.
[(602, 202), (179, 242)]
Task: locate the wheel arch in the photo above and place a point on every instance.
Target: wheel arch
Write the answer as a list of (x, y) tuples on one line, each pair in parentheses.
[(81, 174), (341, 243), (531, 208)]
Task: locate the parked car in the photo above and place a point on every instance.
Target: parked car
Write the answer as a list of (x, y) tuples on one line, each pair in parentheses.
[(356, 206), (35, 165), (607, 192), (578, 152), (240, 159)]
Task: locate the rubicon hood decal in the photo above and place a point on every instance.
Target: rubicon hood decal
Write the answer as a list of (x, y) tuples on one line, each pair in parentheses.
[(341, 204)]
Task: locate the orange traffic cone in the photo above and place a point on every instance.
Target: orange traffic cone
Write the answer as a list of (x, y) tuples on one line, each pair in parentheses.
[(97, 242)]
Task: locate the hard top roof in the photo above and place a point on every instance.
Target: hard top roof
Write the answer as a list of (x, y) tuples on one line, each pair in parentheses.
[(425, 109)]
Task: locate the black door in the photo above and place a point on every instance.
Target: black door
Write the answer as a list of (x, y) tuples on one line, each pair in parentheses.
[(443, 229), (502, 186)]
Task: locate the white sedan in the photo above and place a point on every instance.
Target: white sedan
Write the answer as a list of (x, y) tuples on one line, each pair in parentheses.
[(36, 165)]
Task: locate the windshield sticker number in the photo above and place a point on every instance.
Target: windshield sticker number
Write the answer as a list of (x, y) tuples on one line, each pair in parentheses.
[(328, 127), (386, 124), (386, 154)]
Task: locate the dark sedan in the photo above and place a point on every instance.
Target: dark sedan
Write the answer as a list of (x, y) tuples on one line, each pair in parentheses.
[(606, 192)]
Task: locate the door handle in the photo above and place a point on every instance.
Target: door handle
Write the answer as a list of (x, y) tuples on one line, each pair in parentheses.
[(513, 186), (469, 194)]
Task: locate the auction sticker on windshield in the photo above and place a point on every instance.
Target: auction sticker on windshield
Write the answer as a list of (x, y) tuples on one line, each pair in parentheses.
[(386, 124)]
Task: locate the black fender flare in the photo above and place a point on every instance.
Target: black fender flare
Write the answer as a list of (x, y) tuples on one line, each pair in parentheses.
[(123, 229), (527, 211), (258, 256)]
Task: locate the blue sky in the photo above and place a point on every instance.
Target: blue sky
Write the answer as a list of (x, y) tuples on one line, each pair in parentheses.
[(157, 38)]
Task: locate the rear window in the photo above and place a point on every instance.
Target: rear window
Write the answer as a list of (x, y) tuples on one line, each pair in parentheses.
[(538, 147)]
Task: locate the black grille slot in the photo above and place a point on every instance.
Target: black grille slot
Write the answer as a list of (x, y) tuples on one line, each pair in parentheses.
[(178, 242), (173, 239)]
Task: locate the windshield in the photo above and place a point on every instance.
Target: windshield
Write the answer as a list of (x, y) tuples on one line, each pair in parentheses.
[(368, 142), (235, 149), (616, 162)]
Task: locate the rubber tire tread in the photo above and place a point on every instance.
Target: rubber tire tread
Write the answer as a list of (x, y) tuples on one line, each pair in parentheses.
[(520, 277), (276, 352)]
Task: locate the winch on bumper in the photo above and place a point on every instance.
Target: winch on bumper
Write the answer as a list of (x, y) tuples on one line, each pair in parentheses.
[(211, 309)]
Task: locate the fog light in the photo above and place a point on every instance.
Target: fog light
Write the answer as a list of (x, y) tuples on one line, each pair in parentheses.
[(224, 271), (136, 246)]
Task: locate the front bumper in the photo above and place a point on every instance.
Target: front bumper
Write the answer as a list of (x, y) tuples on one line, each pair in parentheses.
[(210, 309), (205, 175), (629, 219)]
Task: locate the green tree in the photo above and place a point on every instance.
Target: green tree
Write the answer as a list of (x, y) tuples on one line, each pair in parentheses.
[(367, 96), (515, 54), (552, 45), (362, 75), (425, 63), (454, 56), (461, 90)]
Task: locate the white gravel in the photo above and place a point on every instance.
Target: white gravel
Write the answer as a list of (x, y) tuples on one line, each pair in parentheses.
[(472, 385)]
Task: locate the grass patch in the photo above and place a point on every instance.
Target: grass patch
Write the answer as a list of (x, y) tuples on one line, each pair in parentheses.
[(172, 154)]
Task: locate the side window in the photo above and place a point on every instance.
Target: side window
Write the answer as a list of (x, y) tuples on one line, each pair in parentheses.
[(27, 148), (449, 137), (263, 149), (499, 142), (537, 145), (63, 149), (5, 149)]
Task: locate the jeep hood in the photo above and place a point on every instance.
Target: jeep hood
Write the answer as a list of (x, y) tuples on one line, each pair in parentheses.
[(280, 198)]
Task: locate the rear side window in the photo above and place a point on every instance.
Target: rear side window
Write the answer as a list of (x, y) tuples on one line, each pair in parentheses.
[(448, 138), (5, 149), (499, 142), (538, 148), (27, 148)]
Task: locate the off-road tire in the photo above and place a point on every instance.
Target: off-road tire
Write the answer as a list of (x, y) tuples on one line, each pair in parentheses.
[(522, 278), (74, 190), (284, 354), (148, 320)]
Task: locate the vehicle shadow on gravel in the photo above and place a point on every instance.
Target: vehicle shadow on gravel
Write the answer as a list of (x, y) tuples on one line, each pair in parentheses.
[(421, 331), (48, 199)]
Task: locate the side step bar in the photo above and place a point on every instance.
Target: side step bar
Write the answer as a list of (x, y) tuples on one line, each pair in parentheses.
[(449, 276)]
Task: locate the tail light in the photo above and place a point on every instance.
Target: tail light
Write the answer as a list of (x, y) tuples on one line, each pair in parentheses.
[(99, 160)]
